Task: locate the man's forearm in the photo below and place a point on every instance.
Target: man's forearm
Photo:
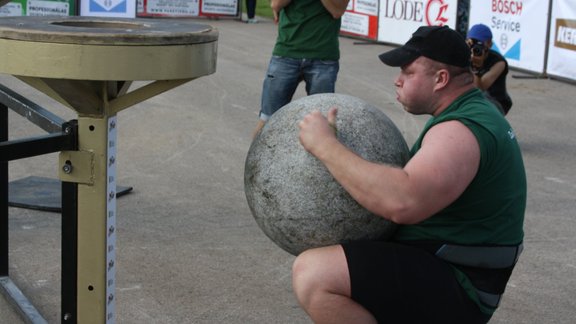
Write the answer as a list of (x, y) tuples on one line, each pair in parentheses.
[(335, 7), (277, 5)]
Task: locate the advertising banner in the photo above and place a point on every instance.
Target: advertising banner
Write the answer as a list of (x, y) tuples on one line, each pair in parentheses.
[(562, 44), (187, 8), (39, 8), (398, 19), (219, 7), (168, 8), (519, 29), (14, 8), (361, 19), (108, 8)]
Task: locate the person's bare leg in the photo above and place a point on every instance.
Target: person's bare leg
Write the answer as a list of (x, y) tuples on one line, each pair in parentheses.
[(259, 126), (322, 286)]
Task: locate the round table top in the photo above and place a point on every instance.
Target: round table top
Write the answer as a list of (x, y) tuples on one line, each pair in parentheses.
[(108, 31), (93, 48)]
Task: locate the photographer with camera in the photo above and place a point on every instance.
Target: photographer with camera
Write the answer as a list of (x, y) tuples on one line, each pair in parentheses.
[(489, 67)]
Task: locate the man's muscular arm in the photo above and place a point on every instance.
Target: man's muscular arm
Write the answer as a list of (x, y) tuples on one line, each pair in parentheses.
[(435, 177)]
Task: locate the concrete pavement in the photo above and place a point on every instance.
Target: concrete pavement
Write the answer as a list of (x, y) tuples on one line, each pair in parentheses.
[(188, 249)]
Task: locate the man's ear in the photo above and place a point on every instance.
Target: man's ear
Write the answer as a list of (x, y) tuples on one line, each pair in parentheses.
[(441, 79)]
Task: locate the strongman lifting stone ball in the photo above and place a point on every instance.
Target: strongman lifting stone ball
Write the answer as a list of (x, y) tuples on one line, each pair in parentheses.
[(293, 197)]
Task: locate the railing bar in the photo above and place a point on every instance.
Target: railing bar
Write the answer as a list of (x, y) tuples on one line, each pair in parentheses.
[(39, 116), (23, 306)]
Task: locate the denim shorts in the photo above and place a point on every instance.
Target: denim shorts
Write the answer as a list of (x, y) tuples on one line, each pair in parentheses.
[(283, 76)]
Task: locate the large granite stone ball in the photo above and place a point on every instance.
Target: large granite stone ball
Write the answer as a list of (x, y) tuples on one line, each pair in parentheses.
[(293, 197)]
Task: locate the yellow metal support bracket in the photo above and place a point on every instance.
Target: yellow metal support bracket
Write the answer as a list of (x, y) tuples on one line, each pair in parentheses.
[(76, 167)]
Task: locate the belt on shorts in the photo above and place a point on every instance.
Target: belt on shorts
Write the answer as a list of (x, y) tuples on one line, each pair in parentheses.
[(486, 257), (468, 258)]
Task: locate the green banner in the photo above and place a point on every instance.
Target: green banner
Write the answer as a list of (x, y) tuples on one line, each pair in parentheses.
[(38, 8)]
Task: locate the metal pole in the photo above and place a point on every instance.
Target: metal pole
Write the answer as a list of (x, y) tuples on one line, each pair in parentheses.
[(3, 196), (96, 222), (69, 275)]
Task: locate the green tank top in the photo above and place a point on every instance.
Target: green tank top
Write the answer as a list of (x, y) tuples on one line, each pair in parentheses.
[(307, 30), (491, 209)]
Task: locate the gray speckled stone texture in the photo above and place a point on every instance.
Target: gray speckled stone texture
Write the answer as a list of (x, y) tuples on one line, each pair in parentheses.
[(293, 197)]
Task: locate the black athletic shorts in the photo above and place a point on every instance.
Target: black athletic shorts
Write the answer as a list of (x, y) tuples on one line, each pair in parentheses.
[(403, 284)]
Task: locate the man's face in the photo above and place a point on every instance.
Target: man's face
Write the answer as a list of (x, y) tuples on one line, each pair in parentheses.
[(415, 87)]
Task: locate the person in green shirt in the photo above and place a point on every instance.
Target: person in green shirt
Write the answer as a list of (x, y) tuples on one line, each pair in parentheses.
[(307, 49), (459, 202)]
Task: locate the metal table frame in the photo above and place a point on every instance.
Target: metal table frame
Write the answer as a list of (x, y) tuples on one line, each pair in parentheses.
[(107, 56), (62, 136)]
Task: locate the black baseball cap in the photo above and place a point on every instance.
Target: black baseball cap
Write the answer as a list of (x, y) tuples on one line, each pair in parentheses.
[(439, 43)]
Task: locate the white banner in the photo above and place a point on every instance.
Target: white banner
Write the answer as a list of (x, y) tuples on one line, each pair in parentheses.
[(562, 46), (519, 29), (355, 23), (108, 8), (222, 7), (11, 9), (173, 8), (47, 8), (187, 8), (361, 19), (398, 19)]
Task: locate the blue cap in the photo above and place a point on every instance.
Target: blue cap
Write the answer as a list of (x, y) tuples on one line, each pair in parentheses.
[(480, 32)]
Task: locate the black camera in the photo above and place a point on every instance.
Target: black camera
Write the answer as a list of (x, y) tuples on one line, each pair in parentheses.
[(478, 48)]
